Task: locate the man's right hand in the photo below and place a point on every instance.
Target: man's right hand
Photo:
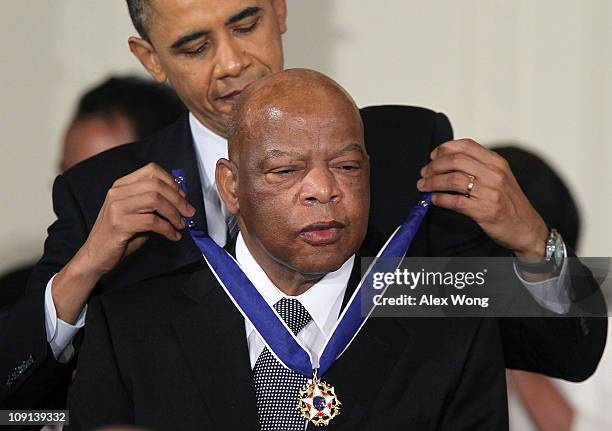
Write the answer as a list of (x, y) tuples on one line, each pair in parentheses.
[(147, 200)]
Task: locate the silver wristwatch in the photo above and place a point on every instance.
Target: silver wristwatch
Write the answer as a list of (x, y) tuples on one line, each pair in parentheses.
[(553, 257)]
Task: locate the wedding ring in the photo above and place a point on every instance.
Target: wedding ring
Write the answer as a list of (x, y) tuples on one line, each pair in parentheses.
[(470, 186)]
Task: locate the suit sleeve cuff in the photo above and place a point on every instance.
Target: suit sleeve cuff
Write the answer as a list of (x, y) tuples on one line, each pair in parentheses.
[(552, 294), (59, 333)]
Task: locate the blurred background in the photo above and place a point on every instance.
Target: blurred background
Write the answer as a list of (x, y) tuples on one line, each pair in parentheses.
[(530, 73)]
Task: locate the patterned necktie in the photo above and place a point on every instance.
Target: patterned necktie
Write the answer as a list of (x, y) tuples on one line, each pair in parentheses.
[(277, 387)]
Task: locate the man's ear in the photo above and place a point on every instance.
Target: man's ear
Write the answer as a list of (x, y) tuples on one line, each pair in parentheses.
[(226, 178), (280, 8), (146, 54)]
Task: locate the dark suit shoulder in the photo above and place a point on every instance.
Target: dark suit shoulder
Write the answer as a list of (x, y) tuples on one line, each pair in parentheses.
[(397, 111), (399, 141), (419, 128)]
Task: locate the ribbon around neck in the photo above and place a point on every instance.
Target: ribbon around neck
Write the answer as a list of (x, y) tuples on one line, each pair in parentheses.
[(270, 326)]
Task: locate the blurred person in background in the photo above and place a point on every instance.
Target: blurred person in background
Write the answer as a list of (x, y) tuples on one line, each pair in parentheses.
[(119, 110), (555, 405)]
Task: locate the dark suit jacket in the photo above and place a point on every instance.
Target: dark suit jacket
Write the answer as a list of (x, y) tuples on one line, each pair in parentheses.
[(399, 140), (171, 354)]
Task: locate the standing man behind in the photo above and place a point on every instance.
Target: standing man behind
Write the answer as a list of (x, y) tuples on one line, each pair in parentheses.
[(128, 224)]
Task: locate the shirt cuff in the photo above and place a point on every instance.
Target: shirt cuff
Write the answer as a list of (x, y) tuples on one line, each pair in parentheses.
[(60, 333), (552, 294)]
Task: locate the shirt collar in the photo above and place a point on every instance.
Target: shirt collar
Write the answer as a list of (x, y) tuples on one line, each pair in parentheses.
[(209, 148), (319, 300)]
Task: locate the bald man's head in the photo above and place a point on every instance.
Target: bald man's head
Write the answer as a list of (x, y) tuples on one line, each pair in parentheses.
[(298, 175), (290, 93)]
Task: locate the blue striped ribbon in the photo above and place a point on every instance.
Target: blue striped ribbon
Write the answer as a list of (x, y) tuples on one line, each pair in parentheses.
[(279, 339)]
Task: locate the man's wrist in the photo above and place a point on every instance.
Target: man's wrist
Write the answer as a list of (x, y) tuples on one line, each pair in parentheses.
[(536, 248), (549, 265), (72, 287)]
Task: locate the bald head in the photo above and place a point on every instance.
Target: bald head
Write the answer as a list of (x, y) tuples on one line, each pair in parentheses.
[(298, 178), (289, 96)]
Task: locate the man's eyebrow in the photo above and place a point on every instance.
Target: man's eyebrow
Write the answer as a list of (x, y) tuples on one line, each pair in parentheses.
[(244, 13), (188, 38), (273, 154), (351, 147)]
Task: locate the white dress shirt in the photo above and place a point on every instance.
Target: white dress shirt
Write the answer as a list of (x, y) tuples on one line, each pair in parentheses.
[(322, 300), (209, 147)]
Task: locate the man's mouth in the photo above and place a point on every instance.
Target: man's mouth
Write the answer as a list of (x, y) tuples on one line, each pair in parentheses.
[(230, 97), (322, 233)]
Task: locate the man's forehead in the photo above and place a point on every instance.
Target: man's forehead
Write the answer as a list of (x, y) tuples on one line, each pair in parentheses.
[(299, 136), (303, 150), (297, 107)]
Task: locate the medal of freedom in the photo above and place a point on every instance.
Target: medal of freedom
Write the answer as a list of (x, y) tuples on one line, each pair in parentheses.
[(318, 402)]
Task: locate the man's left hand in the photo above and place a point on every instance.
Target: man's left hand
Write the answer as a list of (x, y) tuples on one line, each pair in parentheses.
[(494, 200)]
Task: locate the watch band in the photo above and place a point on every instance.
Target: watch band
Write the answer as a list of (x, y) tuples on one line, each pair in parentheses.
[(551, 262)]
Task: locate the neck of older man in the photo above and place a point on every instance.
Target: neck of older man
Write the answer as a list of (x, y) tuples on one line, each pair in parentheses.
[(287, 279), (293, 283)]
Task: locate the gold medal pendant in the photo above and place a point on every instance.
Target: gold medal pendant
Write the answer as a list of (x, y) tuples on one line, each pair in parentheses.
[(318, 402)]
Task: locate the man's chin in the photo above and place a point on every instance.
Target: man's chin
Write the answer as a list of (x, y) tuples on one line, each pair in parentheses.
[(320, 266)]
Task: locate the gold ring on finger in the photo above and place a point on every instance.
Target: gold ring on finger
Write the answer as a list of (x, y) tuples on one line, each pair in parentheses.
[(470, 186)]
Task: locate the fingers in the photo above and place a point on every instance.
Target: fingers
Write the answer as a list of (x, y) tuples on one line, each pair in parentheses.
[(451, 166), (468, 147), (145, 200), (150, 171), (496, 201), (138, 223), (459, 203), (151, 202), (453, 162), (157, 186), (451, 182), (489, 207)]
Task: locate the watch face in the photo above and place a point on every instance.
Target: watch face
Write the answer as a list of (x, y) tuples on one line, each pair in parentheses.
[(559, 252)]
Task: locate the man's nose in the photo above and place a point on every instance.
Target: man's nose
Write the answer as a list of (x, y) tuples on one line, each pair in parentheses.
[(320, 187), (232, 58)]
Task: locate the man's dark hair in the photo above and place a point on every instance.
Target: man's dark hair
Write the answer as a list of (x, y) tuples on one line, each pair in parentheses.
[(139, 11), (148, 106)]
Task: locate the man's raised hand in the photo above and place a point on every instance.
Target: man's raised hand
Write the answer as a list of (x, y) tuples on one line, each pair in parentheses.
[(146, 201), (494, 200)]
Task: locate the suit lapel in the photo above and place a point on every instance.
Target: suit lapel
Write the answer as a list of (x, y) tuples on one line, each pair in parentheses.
[(177, 150), (359, 374), (212, 337)]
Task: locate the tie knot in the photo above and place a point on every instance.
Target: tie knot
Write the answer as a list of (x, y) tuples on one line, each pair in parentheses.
[(293, 313)]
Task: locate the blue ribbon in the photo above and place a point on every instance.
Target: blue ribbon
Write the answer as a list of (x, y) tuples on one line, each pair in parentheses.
[(267, 323)]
